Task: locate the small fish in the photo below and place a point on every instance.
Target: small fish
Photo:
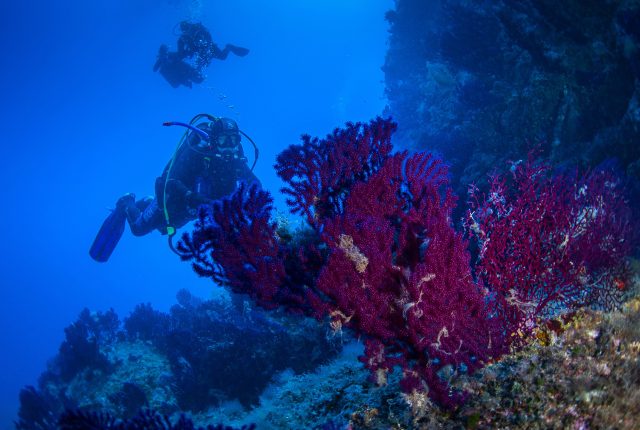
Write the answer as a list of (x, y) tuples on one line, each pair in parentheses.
[(619, 284)]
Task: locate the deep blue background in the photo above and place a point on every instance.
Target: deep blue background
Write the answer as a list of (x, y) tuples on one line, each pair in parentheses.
[(80, 124)]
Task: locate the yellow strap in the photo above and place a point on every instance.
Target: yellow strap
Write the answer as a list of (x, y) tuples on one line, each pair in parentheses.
[(171, 230)]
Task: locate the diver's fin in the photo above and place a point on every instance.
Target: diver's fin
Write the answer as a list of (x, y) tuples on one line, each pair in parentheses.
[(108, 236), (237, 50)]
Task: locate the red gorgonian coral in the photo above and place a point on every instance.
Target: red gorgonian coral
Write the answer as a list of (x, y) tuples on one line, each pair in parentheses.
[(549, 242)]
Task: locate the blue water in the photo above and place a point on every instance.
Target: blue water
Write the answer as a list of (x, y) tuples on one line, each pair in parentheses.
[(81, 114)]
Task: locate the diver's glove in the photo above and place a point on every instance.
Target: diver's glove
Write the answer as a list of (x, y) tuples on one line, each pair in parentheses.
[(195, 200), (237, 50)]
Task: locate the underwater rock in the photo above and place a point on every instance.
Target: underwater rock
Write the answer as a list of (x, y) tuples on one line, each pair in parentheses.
[(200, 354), (482, 82)]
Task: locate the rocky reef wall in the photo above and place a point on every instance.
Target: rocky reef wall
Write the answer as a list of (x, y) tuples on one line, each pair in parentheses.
[(483, 82)]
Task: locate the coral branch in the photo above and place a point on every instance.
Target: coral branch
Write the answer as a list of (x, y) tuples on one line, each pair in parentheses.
[(549, 242)]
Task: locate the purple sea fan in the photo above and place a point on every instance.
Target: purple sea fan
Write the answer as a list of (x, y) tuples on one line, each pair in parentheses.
[(399, 274), (235, 244), (320, 172), (549, 243)]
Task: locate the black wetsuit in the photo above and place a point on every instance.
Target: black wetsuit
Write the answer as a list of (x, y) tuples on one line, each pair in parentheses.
[(195, 52), (198, 176), (196, 42), (175, 70)]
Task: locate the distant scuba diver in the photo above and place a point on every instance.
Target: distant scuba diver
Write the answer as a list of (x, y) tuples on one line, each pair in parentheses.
[(206, 166), (195, 51)]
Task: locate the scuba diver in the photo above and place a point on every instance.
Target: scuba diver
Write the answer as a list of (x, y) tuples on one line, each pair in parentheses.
[(195, 51), (206, 166)]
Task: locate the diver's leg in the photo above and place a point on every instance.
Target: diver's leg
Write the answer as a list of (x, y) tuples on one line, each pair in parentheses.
[(222, 54), (236, 50), (144, 203), (144, 216), (162, 57), (217, 53), (169, 73)]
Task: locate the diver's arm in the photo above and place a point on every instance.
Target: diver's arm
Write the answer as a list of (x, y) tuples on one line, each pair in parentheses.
[(217, 53), (179, 192), (176, 172), (247, 175), (188, 171), (174, 188)]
